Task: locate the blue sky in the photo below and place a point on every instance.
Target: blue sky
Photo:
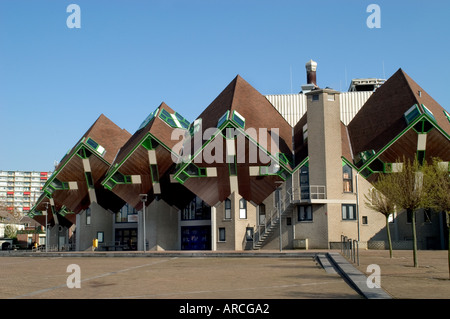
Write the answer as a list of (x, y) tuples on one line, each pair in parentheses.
[(130, 55)]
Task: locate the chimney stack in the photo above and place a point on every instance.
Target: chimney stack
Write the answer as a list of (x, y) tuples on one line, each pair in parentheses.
[(311, 67)]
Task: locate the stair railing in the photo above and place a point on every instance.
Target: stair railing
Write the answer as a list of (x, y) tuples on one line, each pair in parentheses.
[(272, 217)]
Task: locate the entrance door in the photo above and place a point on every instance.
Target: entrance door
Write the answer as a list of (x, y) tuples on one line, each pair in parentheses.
[(127, 238), (196, 238)]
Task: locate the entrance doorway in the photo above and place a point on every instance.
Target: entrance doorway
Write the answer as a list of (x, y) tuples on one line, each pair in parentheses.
[(196, 238), (127, 237)]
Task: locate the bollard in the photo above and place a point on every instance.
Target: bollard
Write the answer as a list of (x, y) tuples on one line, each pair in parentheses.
[(94, 244)]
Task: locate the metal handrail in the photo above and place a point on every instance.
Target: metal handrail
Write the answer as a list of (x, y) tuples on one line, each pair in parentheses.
[(289, 195)]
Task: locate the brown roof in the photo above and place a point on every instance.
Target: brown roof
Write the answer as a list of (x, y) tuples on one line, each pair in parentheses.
[(156, 127), (106, 133), (381, 119), (258, 112)]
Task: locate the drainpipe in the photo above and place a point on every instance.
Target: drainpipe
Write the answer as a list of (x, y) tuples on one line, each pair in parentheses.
[(357, 217)]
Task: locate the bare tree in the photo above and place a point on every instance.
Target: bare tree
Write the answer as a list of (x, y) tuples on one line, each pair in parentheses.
[(406, 190), (437, 184), (377, 201)]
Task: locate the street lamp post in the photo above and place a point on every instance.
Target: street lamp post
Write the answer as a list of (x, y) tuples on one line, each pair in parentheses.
[(46, 228), (143, 198)]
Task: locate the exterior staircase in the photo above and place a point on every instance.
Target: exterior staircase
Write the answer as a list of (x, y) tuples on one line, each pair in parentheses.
[(271, 225)]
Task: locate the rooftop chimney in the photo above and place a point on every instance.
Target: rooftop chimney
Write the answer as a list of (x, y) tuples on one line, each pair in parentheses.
[(311, 84), (311, 67)]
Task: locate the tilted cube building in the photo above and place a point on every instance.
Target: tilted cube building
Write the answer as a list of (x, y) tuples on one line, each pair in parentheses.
[(252, 171)]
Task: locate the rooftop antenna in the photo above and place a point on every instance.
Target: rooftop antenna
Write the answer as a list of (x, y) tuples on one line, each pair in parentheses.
[(290, 70)]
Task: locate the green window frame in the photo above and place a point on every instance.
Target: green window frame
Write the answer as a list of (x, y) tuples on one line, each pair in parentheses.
[(149, 143), (183, 122), (95, 146), (89, 180), (447, 115), (119, 178), (411, 114), (423, 126), (232, 166), (194, 171), (223, 119), (195, 126), (238, 119), (428, 112), (167, 118), (147, 120), (154, 172), (84, 153), (173, 120)]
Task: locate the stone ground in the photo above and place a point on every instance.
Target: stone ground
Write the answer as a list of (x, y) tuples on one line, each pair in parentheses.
[(167, 277), (402, 280), (170, 278)]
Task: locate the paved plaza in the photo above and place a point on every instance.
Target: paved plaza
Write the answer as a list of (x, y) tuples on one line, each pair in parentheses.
[(178, 276)]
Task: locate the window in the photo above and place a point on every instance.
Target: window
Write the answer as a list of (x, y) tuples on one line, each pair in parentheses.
[(447, 115), (288, 221), (305, 133), (238, 119), (227, 209), (391, 217), (221, 234), (127, 214), (428, 112), (98, 148), (100, 236), (223, 119), (315, 97), (88, 216), (249, 233), (409, 216), (304, 182), (89, 180), (232, 167), (148, 119), (305, 213), (197, 209), (347, 178), (242, 208), (365, 220), (262, 214), (348, 211), (331, 97), (412, 113), (420, 157)]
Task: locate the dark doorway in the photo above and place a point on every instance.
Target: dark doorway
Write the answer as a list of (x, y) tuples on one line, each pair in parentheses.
[(196, 238), (127, 238)]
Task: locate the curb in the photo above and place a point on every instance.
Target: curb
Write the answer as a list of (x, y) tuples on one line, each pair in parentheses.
[(356, 278)]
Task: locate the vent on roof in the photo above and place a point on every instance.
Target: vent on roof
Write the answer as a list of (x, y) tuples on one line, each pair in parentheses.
[(368, 85), (311, 76)]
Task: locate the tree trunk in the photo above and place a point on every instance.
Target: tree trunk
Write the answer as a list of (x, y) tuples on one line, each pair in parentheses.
[(448, 226), (389, 236), (413, 225)]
